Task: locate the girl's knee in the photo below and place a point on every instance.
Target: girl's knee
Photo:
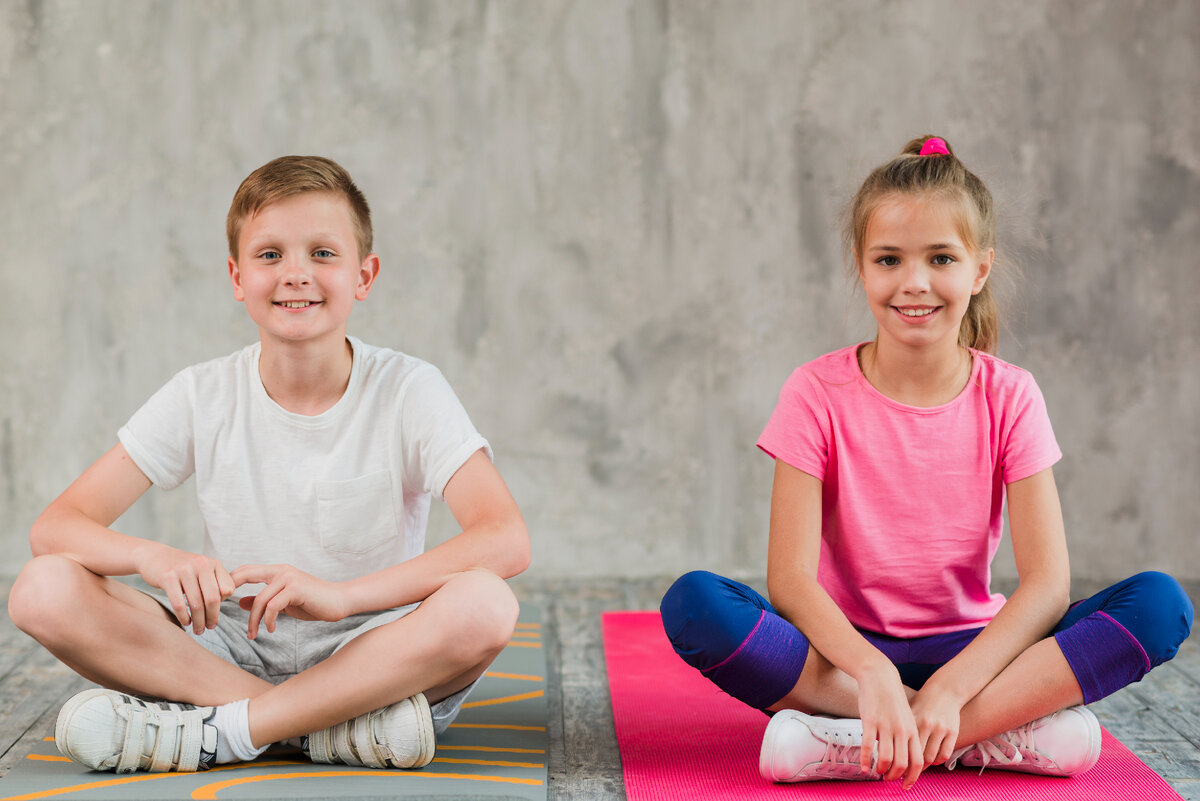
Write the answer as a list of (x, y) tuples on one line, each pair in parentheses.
[(707, 617), (1162, 617)]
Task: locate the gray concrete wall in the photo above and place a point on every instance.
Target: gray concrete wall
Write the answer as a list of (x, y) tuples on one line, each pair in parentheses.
[(614, 226)]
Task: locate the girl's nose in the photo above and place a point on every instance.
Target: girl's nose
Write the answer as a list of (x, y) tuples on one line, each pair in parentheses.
[(916, 279)]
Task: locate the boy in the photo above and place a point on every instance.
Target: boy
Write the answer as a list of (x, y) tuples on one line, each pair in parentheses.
[(315, 458)]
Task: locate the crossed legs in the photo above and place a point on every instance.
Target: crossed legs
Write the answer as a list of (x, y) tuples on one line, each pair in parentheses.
[(123, 639)]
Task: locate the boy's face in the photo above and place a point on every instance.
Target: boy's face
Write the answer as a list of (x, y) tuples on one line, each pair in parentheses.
[(298, 269)]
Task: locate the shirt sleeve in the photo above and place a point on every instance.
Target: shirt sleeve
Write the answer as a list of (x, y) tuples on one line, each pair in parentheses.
[(1029, 445), (799, 430), (160, 435), (437, 437)]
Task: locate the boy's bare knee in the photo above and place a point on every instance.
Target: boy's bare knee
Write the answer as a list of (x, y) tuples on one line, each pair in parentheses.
[(43, 593), (487, 614)]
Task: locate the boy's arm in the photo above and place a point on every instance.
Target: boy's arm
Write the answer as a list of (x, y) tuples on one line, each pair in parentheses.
[(76, 526), (493, 538)]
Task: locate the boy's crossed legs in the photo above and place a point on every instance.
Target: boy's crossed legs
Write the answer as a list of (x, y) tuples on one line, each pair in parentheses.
[(123, 639)]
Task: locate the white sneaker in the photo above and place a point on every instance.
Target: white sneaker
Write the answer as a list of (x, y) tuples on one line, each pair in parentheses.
[(108, 730), (1062, 744), (398, 736), (803, 748)]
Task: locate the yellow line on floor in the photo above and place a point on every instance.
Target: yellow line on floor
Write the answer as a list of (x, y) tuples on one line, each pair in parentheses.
[(529, 625), (518, 676), (48, 758), (143, 777), (504, 700), (532, 634), (491, 749), (209, 791), (516, 644), (491, 762), (503, 726)]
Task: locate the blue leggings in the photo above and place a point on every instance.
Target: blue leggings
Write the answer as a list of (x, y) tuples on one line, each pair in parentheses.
[(735, 637)]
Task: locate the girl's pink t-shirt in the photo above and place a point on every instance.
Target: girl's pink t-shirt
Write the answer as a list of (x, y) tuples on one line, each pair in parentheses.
[(912, 497)]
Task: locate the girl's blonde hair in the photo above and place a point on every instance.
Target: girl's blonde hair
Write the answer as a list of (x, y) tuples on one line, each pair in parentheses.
[(940, 175)]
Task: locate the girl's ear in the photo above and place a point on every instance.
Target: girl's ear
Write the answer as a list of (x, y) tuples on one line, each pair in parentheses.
[(985, 269)]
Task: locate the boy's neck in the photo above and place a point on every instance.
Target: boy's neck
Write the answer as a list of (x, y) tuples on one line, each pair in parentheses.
[(306, 377), (923, 377)]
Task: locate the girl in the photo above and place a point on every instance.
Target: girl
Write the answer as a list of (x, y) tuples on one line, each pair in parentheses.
[(893, 459)]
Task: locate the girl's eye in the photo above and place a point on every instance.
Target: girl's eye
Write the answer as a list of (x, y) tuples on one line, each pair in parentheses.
[(888, 261), (943, 259)]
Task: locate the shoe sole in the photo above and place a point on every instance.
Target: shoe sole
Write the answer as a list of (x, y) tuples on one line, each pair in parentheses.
[(1094, 738)]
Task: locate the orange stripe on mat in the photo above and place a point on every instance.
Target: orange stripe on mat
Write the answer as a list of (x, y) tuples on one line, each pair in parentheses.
[(504, 700), (209, 791)]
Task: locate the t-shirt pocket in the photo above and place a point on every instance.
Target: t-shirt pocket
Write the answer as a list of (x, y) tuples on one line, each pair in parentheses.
[(356, 515)]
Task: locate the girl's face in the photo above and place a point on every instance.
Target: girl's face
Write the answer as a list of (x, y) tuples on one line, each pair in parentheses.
[(917, 273)]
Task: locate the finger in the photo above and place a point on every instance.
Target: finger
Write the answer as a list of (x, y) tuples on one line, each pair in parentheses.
[(212, 599), (868, 746), (178, 603), (899, 759), (915, 765), (932, 746), (947, 749), (225, 583), (276, 606), (883, 763), (195, 602), (254, 574), (260, 607)]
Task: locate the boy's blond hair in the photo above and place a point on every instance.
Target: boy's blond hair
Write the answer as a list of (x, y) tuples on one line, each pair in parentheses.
[(287, 176)]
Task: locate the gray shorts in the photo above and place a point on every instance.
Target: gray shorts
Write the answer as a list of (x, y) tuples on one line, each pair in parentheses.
[(297, 645)]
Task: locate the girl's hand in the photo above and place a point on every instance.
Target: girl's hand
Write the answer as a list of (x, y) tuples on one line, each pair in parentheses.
[(888, 726), (937, 715), (289, 591), (195, 584)]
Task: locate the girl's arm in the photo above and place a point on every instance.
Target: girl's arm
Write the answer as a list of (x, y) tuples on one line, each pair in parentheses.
[(1039, 602), (76, 526), (792, 556)]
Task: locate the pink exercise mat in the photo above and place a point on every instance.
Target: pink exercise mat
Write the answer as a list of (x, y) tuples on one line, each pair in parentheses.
[(682, 738)]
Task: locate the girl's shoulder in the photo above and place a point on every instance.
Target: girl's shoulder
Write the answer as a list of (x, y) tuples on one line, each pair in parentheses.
[(837, 367), (993, 373)]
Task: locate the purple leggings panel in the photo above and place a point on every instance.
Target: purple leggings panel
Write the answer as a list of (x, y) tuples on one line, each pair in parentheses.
[(735, 637)]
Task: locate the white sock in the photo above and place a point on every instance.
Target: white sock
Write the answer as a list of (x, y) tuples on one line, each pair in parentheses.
[(232, 722)]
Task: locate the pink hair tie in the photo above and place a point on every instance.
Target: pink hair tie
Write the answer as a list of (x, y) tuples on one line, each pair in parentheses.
[(935, 146)]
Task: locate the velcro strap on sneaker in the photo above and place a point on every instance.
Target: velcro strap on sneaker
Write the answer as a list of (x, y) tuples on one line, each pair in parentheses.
[(130, 758), (319, 747), (165, 741), (365, 746), (343, 747)]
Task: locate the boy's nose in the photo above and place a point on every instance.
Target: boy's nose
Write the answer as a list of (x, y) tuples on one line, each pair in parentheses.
[(296, 272)]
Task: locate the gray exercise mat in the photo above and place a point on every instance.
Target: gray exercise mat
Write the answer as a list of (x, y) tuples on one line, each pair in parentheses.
[(495, 749)]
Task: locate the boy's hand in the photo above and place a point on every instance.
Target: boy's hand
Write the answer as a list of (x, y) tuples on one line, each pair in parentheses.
[(195, 584), (289, 591)]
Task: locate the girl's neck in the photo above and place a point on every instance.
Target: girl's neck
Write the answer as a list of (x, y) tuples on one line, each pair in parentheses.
[(307, 377), (923, 377)]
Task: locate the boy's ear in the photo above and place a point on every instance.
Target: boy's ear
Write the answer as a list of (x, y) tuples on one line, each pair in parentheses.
[(366, 276), (985, 269), (236, 277)]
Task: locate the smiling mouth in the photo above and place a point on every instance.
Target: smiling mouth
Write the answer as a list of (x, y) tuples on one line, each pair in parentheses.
[(925, 312), (295, 304)]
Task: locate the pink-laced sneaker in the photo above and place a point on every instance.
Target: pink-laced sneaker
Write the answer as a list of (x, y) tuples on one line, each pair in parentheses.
[(1062, 744), (802, 748)]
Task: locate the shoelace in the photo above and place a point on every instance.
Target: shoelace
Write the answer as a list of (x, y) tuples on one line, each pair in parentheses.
[(841, 759), (1009, 748)]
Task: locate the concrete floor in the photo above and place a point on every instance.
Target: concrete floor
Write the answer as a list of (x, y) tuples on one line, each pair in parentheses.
[(1156, 719)]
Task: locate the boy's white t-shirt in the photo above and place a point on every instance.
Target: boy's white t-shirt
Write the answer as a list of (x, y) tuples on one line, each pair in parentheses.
[(339, 494)]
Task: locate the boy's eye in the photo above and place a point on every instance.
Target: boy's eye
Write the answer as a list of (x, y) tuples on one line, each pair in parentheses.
[(323, 253), (943, 259), (270, 254)]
